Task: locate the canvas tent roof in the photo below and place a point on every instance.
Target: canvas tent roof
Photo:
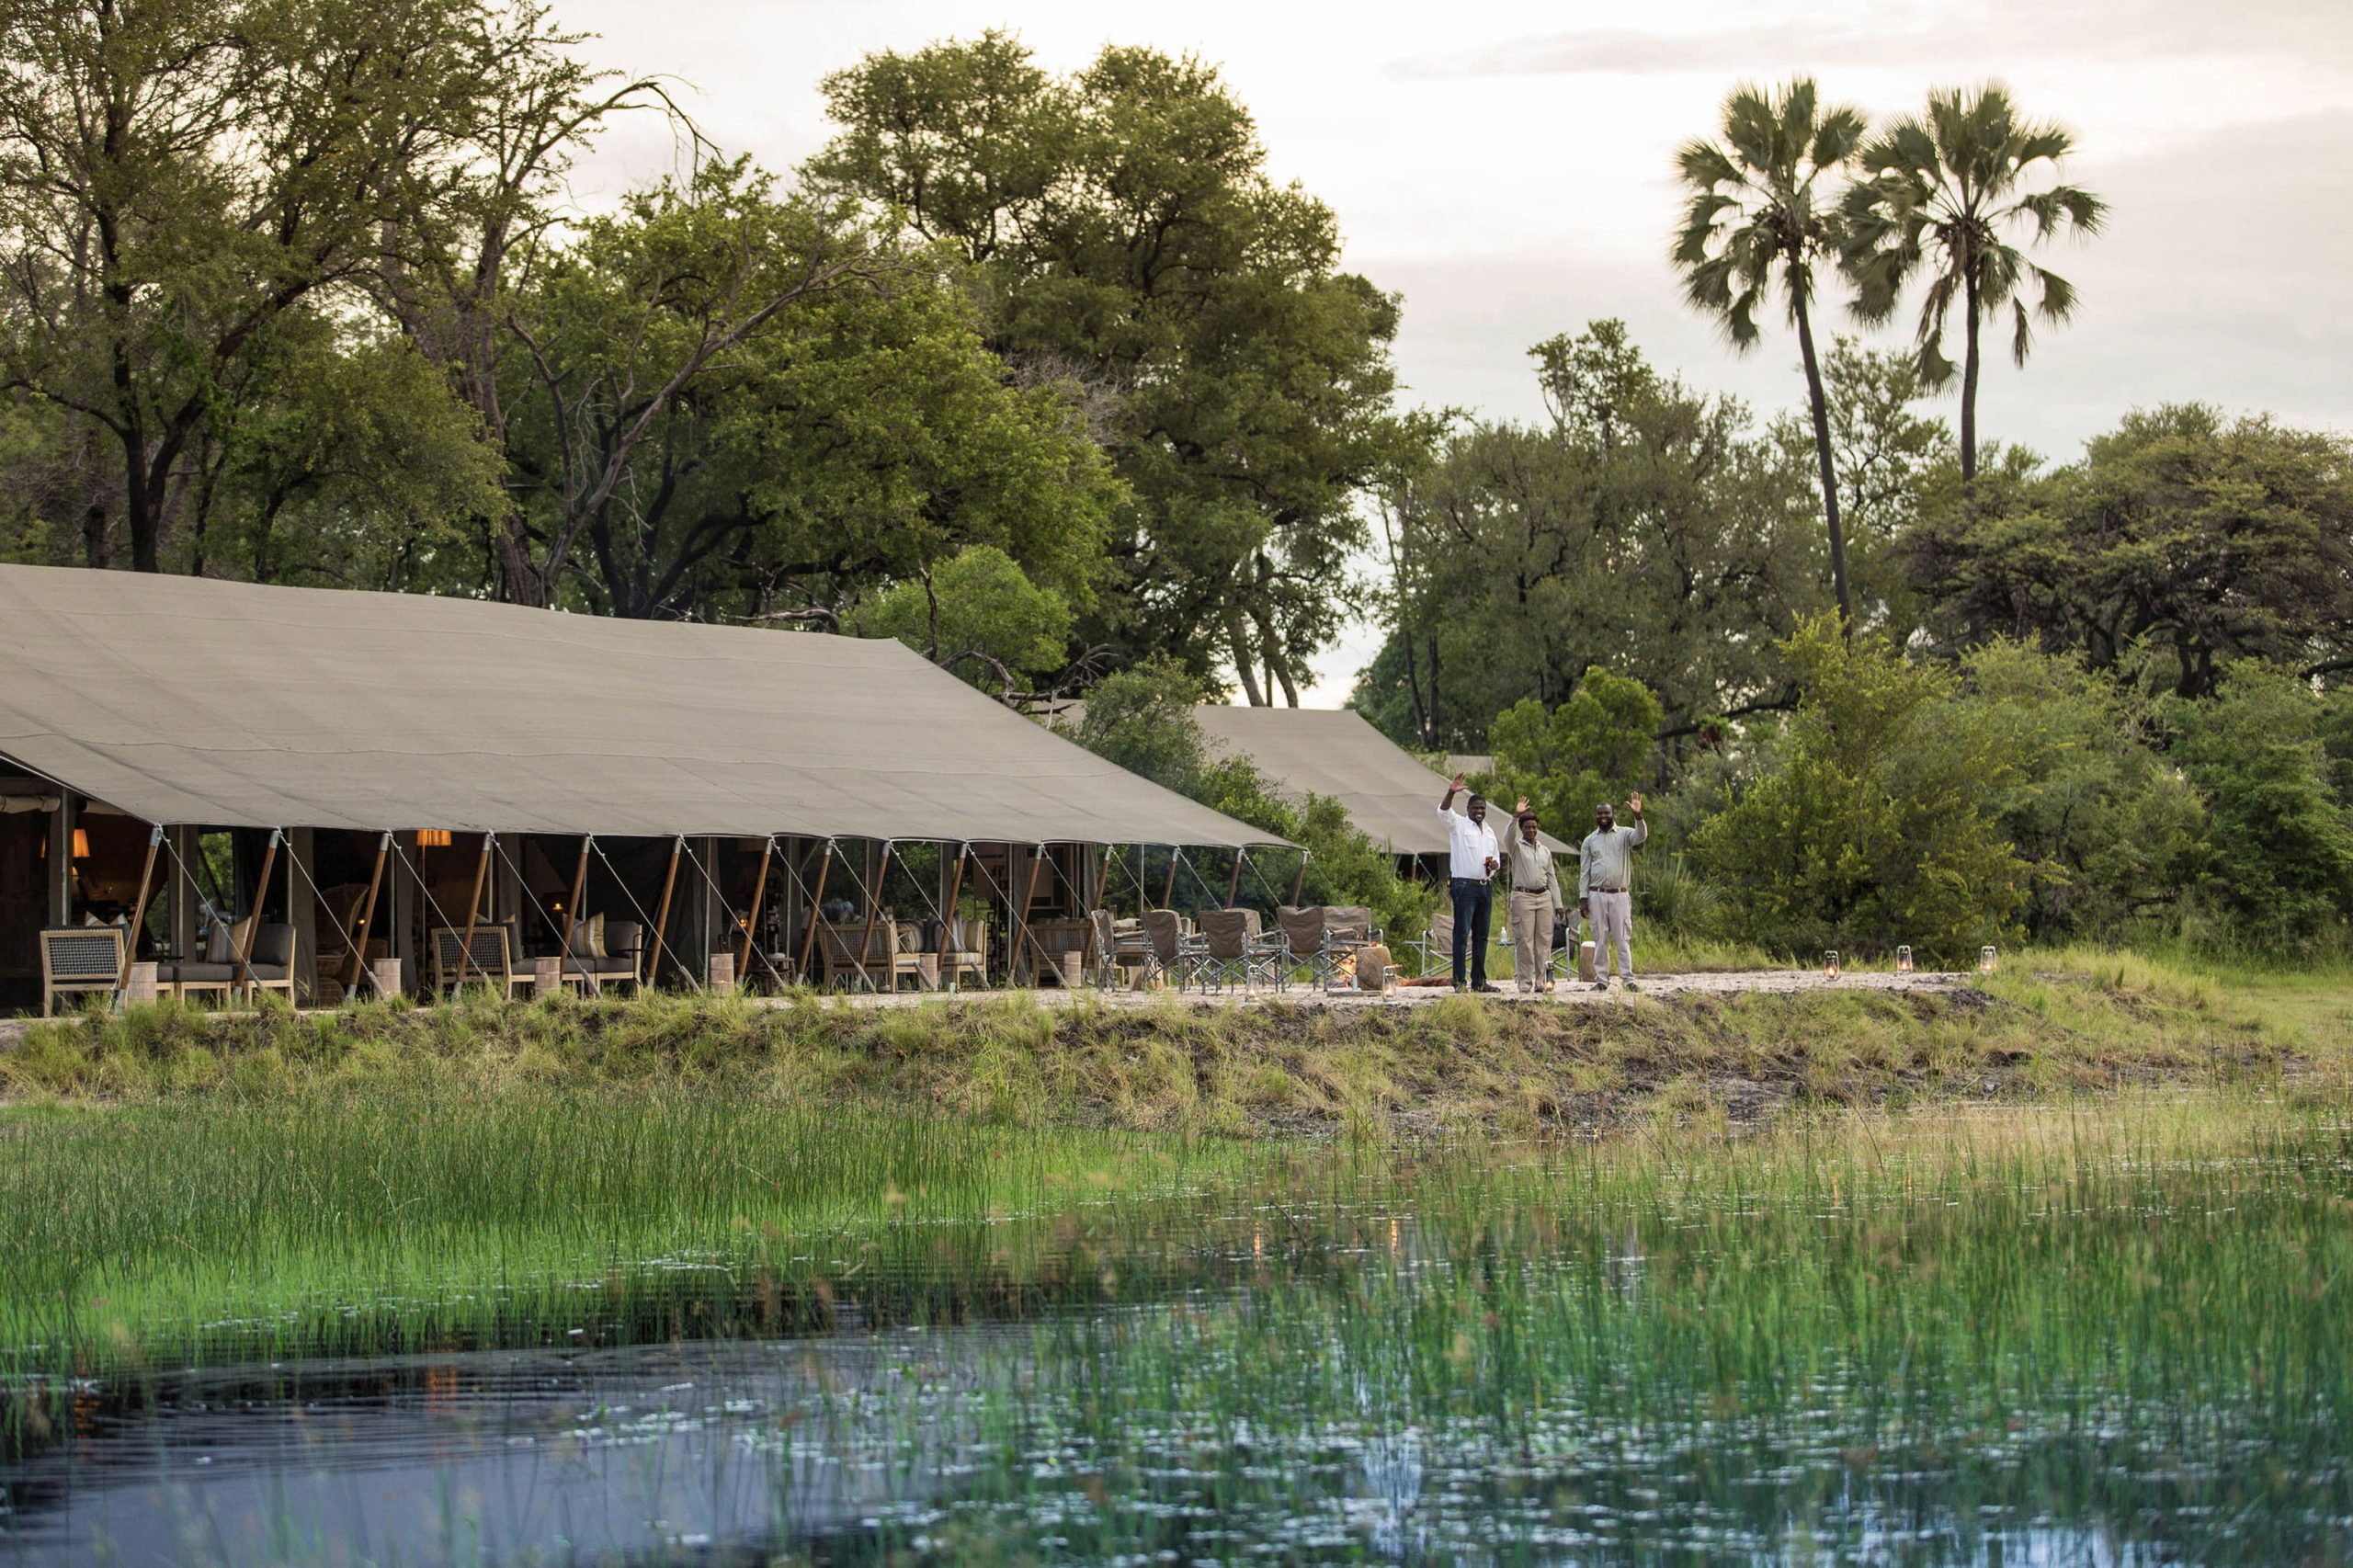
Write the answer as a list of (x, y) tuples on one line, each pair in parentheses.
[(182, 699), (1388, 792)]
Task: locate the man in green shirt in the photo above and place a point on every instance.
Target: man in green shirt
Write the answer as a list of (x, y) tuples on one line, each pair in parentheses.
[(1604, 888)]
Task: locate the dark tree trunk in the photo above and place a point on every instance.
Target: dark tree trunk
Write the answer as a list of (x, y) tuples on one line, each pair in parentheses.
[(1969, 379), (1821, 410)]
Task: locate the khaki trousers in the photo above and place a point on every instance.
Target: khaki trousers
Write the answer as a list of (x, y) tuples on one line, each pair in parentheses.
[(1531, 934), (1613, 921)]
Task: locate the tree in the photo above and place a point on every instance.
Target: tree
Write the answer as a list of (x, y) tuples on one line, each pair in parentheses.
[(1648, 530), (1596, 746), (1132, 245), (2283, 837), (1755, 221), (1871, 828), (182, 185), (2182, 540), (1941, 195), (977, 602), (1142, 719)]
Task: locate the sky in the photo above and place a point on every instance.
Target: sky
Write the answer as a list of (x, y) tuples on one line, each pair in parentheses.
[(1508, 167)]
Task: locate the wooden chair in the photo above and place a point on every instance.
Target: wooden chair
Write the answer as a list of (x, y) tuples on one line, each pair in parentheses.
[(489, 961), (876, 957), (80, 959), (968, 953), (270, 965)]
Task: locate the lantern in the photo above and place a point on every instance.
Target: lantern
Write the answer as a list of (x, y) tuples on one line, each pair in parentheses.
[(1985, 959), (1904, 959), (1830, 964)]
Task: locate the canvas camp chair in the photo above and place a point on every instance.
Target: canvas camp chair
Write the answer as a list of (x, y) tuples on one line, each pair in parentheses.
[(1234, 950), (489, 959), (80, 959), (1173, 955), (1307, 944), (1437, 941)]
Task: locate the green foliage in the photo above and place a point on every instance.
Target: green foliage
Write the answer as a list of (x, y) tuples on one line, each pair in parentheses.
[(2114, 837), (1872, 828), (1130, 243), (1142, 719), (2283, 836), (2183, 539), (977, 602), (1598, 746), (1649, 530)]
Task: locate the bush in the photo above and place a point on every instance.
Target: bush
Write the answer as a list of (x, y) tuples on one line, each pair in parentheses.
[(1873, 829), (979, 601)]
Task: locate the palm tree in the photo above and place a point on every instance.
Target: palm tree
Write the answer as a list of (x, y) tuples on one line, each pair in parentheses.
[(1757, 222), (1941, 195)]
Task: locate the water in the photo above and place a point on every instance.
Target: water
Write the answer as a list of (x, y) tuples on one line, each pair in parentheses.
[(2135, 1356)]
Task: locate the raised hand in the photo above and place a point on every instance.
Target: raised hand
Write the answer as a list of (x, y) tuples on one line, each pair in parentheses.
[(1634, 802), (1460, 779), (1521, 807)]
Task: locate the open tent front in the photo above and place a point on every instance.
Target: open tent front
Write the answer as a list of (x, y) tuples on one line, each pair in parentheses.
[(391, 775)]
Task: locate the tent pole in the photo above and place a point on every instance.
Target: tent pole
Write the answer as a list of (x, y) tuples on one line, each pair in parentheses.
[(653, 974), (366, 916), (1233, 883), (1299, 882), (752, 921), (252, 922), (139, 910), (873, 909), (816, 904), (571, 913), (948, 915), (1169, 892), (473, 910), (1021, 918)]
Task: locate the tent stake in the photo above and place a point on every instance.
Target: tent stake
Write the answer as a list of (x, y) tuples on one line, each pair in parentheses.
[(816, 907), (653, 974), (367, 917), (252, 922), (752, 921), (139, 913)]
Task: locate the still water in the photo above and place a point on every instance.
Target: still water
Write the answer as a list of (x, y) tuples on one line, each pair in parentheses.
[(2035, 1358)]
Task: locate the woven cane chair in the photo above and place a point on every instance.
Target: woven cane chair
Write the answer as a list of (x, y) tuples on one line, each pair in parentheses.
[(80, 959)]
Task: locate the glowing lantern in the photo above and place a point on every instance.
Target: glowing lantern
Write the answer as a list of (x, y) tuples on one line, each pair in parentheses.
[(1985, 959), (1903, 961), (1830, 964)]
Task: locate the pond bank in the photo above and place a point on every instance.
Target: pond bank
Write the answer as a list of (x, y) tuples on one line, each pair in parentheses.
[(1739, 1048)]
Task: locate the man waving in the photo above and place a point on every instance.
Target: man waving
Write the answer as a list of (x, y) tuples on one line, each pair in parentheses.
[(1605, 887), (1471, 857)]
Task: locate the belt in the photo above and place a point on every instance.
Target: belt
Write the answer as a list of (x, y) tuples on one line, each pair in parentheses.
[(1468, 881), (1605, 890)]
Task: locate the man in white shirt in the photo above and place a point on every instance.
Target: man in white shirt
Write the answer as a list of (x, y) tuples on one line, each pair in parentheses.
[(1471, 857)]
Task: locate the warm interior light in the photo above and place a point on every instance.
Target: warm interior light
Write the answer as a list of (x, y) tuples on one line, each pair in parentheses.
[(81, 844), (433, 838)]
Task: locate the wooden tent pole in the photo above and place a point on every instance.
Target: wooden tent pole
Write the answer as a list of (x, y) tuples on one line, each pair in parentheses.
[(572, 916), (139, 910), (947, 918), (473, 911), (752, 921), (1233, 883), (662, 917), (1299, 882), (1021, 920), (878, 870), (252, 922), (366, 916), (1168, 893), (816, 904)]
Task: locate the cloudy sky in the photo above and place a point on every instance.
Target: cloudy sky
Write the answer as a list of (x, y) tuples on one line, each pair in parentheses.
[(1508, 166)]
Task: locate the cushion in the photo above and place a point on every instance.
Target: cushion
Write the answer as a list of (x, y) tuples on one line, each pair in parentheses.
[(274, 945), (177, 972), (589, 937), (619, 939)]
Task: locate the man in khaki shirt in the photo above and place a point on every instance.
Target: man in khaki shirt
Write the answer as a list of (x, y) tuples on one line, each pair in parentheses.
[(1536, 902)]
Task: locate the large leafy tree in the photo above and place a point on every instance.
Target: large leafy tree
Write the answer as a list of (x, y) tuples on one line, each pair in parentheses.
[(1956, 197), (2183, 541), (722, 399), (1646, 529), (185, 188), (1130, 242), (1758, 219)]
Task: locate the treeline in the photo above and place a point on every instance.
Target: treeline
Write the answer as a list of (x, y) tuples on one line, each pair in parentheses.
[(1039, 371)]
